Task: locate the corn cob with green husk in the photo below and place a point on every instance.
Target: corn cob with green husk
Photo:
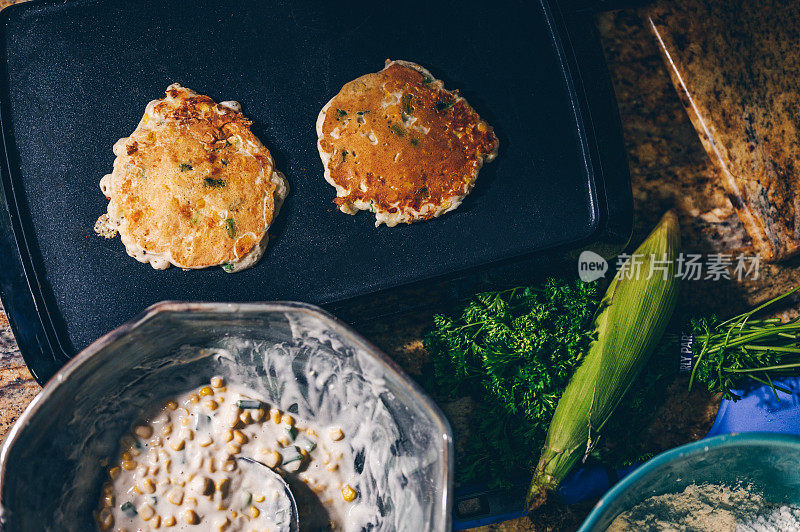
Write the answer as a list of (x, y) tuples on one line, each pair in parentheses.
[(630, 322)]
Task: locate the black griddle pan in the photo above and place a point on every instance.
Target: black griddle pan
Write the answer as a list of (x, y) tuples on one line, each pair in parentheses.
[(76, 76)]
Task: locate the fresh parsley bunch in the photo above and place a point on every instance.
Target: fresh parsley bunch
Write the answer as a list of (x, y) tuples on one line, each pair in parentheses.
[(514, 352)]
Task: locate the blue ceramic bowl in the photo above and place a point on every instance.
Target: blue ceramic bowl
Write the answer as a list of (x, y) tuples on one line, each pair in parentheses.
[(768, 462)]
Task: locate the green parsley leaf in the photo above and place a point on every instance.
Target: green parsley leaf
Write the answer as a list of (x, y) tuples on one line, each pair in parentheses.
[(441, 106), (398, 130), (185, 167), (222, 147), (230, 225), (214, 183), (408, 107)]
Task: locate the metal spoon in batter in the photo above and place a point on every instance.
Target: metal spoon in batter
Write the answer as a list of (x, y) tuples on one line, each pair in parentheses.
[(279, 507)]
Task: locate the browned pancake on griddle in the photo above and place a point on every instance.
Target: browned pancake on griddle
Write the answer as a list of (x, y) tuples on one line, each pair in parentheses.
[(192, 186), (398, 144)]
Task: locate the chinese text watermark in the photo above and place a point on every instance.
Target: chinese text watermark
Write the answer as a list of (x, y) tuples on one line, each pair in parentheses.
[(686, 266)]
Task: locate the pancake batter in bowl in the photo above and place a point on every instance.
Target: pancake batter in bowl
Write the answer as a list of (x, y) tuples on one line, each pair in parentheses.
[(180, 469)]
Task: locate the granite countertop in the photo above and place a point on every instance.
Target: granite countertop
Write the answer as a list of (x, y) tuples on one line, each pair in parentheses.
[(669, 169), (736, 69)]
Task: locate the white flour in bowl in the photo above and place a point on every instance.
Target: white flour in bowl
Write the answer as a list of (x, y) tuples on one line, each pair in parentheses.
[(708, 508), (782, 518)]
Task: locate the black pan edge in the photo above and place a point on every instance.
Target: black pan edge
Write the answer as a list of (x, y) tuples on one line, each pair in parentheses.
[(20, 290), (595, 107)]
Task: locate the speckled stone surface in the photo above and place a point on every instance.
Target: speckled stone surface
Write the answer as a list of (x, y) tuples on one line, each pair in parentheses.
[(735, 65), (669, 169), (17, 387)]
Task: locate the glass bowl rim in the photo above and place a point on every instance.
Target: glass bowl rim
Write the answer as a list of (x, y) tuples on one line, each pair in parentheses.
[(443, 516)]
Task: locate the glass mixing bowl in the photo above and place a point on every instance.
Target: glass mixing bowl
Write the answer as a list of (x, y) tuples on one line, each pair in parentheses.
[(767, 462), (294, 356)]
